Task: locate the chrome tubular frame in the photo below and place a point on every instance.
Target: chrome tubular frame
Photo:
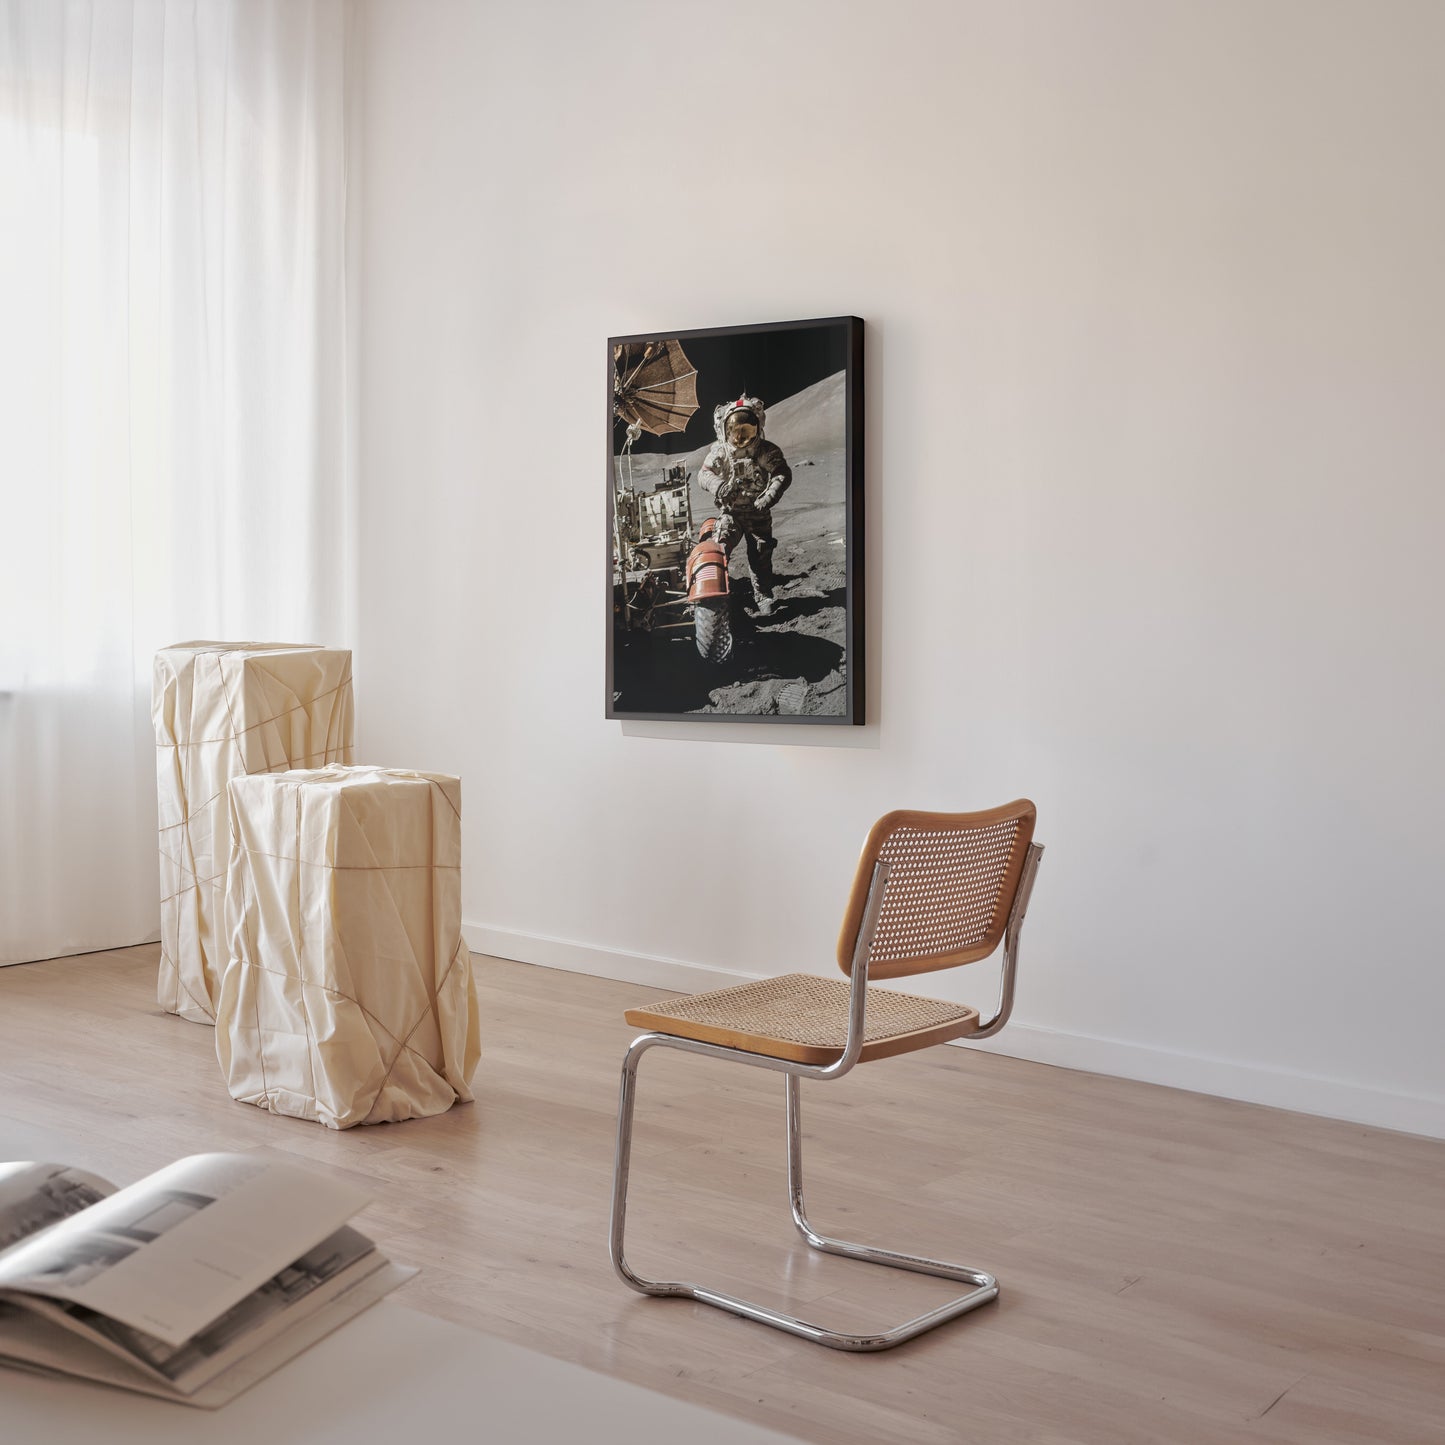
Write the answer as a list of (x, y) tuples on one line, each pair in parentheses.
[(1011, 945), (985, 1287)]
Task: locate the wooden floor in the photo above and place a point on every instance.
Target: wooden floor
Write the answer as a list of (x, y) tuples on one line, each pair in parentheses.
[(1174, 1267)]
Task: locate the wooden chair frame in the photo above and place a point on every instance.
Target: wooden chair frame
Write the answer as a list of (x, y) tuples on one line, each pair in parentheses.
[(861, 923)]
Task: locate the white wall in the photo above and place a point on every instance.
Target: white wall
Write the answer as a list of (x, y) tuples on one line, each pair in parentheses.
[(1155, 351)]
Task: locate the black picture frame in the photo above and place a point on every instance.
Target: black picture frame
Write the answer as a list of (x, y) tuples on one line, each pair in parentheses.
[(799, 663)]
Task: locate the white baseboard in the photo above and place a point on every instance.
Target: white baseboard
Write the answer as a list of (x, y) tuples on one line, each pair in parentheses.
[(1225, 1078), (669, 973)]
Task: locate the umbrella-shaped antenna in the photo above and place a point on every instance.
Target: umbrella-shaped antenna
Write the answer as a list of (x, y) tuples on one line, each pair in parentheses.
[(654, 385)]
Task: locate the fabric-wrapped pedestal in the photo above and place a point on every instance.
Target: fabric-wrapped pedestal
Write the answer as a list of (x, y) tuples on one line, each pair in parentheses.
[(222, 709), (348, 995)]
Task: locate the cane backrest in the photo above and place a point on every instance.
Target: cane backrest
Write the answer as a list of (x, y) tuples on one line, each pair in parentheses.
[(951, 883)]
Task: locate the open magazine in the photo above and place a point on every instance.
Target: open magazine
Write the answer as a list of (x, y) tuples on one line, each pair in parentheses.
[(192, 1285)]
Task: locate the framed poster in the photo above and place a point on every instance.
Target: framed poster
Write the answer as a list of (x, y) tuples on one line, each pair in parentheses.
[(735, 523)]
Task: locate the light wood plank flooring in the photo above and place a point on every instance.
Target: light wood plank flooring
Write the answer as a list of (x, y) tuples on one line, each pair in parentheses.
[(1173, 1267)]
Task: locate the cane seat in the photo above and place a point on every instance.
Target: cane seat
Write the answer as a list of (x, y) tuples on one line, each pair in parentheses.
[(805, 1019)]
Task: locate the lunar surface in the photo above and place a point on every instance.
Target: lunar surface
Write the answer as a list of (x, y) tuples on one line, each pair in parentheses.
[(792, 662)]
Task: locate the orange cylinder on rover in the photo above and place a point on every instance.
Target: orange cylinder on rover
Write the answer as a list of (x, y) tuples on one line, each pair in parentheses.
[(707, 565)]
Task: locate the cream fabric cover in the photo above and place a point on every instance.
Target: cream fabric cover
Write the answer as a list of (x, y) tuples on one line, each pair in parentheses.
[(348, 997), (221, 709)]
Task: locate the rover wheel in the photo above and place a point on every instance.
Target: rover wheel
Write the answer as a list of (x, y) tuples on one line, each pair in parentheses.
[(714, 629)]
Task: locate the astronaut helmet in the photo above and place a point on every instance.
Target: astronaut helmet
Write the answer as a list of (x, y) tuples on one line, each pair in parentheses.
[(745, 410)]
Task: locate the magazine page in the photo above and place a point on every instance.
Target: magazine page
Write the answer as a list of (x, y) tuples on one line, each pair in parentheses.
[(35, 1196), (174, 1252), (304, 1285), (40, 1344), (271, 1356), (30, 1342)]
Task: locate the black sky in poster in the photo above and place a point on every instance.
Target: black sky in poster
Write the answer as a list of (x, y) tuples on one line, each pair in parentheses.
[(772, 365)]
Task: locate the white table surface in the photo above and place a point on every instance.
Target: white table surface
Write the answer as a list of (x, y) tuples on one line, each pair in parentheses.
[(390, 1375)]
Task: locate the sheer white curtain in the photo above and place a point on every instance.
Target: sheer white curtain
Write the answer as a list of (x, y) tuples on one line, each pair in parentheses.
[(175, 375)]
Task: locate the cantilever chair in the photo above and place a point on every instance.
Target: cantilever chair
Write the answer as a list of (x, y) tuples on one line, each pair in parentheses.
[(932, 890)]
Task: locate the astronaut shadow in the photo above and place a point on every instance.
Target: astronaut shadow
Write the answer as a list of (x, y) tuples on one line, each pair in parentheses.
[(762, 649)]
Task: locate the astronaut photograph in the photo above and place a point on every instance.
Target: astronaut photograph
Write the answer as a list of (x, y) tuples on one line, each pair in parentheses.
[(735, 520)]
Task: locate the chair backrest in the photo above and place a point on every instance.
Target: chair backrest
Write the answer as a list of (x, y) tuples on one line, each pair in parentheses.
[(951, 883)]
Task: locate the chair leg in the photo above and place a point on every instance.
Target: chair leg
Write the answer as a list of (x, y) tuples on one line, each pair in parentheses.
[(986, 1287), (625, 1110)]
